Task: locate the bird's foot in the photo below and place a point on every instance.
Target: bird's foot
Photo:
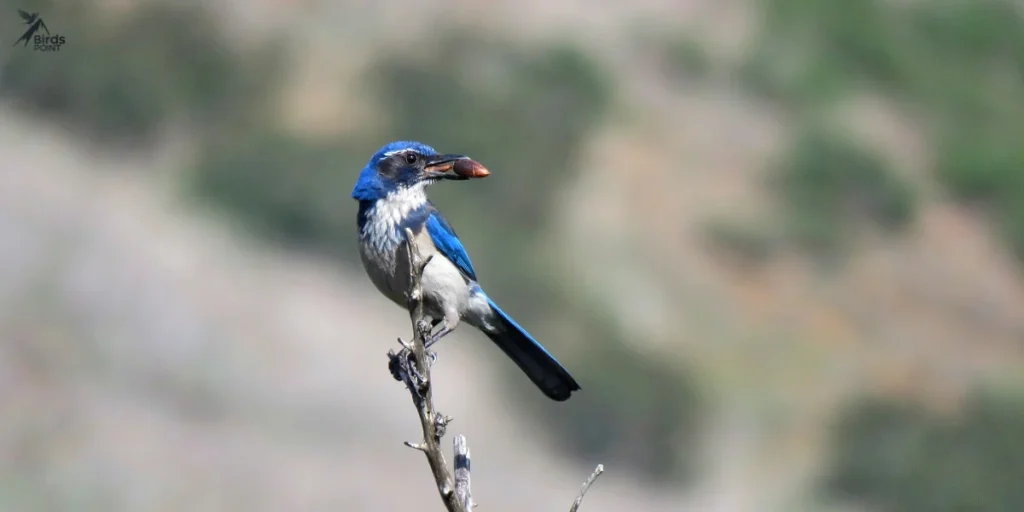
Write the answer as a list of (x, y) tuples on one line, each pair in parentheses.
[(395, 366), (425, 329), (400, 363), (403, 367)]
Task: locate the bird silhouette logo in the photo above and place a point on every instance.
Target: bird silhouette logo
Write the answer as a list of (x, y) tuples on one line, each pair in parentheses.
[(34, 22)]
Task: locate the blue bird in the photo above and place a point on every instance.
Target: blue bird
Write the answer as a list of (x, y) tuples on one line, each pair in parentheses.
[(391, 191)]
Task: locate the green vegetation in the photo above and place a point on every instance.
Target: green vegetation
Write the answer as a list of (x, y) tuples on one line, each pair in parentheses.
[(687, 60), (897, 457), (828, 181), (958, 65), (956, 68), (746, 241), (282, 186)]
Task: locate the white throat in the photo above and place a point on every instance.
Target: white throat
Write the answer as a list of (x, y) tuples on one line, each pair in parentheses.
[(383, 218)]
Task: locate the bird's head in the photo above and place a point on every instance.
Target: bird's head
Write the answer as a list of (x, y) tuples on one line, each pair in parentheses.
[(408, 164)]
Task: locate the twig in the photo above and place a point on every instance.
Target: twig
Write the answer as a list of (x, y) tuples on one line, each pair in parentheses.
[(413, 368), (586, 486)]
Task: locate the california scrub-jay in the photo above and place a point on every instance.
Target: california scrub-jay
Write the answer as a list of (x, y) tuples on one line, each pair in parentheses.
[(391, 191)]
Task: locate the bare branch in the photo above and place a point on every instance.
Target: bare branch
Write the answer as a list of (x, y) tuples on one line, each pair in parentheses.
[(586, 486), (411, 365)]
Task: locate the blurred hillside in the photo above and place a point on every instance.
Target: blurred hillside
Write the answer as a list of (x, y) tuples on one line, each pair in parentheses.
[(742, 224)]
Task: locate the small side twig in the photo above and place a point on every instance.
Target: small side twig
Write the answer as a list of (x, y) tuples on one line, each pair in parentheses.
[(586, 486)]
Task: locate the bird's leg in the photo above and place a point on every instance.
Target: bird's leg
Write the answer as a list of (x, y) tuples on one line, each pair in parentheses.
[(445, 330), (434, 322), (402, 365)]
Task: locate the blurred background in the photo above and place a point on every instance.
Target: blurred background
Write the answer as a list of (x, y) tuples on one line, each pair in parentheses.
[(779, 243)]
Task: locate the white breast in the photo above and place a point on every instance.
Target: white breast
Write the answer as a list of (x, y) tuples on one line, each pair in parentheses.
[(381, 235), (381, 241)]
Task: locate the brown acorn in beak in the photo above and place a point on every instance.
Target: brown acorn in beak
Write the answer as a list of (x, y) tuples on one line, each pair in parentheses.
[(470, 169), (461, 167)]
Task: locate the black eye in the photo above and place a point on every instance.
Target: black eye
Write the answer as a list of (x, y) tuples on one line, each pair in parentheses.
[(410, 158)]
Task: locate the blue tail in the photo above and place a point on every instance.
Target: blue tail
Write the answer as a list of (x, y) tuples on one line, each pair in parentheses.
[(540, 366)]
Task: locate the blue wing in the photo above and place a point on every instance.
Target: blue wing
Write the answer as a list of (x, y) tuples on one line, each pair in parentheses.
[(447, 243)]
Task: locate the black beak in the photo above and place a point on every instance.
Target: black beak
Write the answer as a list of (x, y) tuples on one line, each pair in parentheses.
[(454, 167)]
